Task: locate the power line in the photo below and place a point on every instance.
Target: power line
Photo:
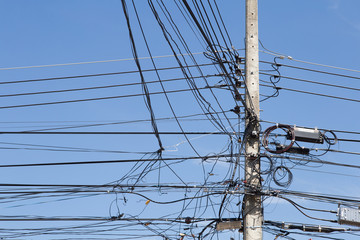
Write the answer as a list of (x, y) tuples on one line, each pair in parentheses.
[(100, 61), (114, 185), (99, 87), (317, 161), (313, 70), (113, 121), (326, 172), (314, 82), (328, 197), (98, 74), (96, 99), (311, 93), (125, 122), (182, 220), (113, 132), (283, 56), (119, 161), (339, 151), (92, 62)]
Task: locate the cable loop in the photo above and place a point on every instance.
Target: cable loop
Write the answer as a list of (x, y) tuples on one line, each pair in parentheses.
[(329, 140), (280, 173), (287, 128)]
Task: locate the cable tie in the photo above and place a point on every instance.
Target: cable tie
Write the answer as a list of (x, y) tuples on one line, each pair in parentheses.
[(160, 150)]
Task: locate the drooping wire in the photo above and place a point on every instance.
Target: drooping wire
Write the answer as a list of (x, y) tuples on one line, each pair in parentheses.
[(144, 85)]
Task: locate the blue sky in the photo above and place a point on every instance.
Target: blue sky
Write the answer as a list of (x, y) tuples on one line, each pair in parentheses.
[(39, 32)]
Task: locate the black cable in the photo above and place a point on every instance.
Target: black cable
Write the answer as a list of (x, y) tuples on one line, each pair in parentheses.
[(337, 151), (120, 133), (327, 172), (169, 40), (313, 70), (219, 61), (306, 215), (329, 140), (98, 87), (265, 138), (311, 93), (270, 169), (306, 208), (190, 23), (161, 83), (222, 22), (143, 82), (62, 148), (40, 218), (115, 186), (92, 99), (203, 103), (210, 23), (310, 81), (281, 172), (112, 161), (316, 196), (127, 122), (274, 79), (210, 45), (98, 74), (319, 161), (347, 140)]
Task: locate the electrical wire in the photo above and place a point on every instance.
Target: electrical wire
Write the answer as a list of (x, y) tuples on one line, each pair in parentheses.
[(311, 93), (314, 70), (314, 82), (97, 87), (96, 75), (113, 161), (283, 56), (92, 99)]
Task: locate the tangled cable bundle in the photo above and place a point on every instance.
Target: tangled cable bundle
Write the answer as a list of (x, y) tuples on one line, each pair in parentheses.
[(287, 128), (282, 176)]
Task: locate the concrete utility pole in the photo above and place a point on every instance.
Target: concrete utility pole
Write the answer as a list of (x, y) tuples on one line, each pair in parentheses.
[(252, 205)]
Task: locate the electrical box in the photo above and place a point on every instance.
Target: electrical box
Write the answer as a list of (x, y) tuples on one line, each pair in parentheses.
[(349, 216), (297, 150), (220, 226), (307, 135)]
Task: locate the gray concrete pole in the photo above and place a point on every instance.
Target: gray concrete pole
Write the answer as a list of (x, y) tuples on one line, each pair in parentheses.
[(252, 205)]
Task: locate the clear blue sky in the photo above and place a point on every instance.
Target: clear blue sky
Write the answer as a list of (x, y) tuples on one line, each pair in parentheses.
[(39, 32)]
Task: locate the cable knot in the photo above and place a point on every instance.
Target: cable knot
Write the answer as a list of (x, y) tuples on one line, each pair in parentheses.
[(161, 149)]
